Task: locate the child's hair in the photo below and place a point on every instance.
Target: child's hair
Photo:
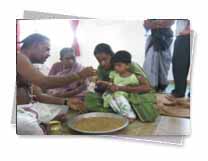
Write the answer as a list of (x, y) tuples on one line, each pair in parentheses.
[(121, 56), (33, 39)]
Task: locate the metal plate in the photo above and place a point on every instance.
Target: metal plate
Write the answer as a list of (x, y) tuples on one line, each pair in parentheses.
[(71, 122)]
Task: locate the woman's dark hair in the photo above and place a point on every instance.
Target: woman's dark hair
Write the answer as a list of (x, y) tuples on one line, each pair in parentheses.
[(33, 39), (103, 48), (121, 57)]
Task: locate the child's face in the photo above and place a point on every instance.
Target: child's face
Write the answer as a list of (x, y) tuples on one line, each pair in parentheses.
[(121, 67)]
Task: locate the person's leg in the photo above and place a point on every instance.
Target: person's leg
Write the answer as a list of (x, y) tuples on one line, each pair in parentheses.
[(151, 65), (114, 106), (164, 66), (181, 62), (125, 107), (176, 56)]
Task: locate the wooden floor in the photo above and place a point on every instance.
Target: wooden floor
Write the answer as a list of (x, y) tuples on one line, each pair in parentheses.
[(164, 125)]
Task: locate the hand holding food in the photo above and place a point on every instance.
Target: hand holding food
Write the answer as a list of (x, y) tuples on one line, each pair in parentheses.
[(87, 72), (109, 85), (105, 83), (76, 104)]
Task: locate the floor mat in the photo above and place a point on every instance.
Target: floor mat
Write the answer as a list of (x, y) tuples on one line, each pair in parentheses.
[(178, 109)]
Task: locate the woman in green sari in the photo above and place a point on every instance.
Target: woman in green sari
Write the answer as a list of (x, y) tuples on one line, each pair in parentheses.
[(143, 102)]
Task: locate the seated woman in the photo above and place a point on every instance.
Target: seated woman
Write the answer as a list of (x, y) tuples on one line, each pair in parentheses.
[(144, 99), (67, 66)]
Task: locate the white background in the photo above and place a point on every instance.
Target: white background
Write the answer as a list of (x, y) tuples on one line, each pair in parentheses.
[(13, 147), (127, 35)]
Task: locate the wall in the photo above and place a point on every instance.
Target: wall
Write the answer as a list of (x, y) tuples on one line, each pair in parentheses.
[(121, 35)]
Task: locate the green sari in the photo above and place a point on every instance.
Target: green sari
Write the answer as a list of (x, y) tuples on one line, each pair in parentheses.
[(142, 103)]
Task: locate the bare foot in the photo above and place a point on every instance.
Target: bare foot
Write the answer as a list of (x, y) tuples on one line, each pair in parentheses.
[(131, 119), (177, 101)]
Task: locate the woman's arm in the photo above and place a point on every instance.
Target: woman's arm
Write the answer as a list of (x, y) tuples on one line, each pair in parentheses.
[(28, 72), (143, 87)]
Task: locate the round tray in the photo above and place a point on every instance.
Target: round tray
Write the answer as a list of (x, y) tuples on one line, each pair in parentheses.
[(72, 122)]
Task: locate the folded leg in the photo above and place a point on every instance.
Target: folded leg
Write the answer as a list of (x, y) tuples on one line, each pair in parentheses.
[(124, 107)]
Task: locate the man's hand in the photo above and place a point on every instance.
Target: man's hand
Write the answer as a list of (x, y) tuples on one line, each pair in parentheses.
[(76, 104), (87, 72)]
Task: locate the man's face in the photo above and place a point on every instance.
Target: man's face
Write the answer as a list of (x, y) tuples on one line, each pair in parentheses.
[(104, 60), (39, 52), (68, 61)]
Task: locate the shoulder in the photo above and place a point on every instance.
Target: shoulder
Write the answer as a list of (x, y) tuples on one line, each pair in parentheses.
[(135, 65), (55, 68), (137, 69)]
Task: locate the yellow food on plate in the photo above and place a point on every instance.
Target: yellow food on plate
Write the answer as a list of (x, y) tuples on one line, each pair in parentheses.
[(99, 124)]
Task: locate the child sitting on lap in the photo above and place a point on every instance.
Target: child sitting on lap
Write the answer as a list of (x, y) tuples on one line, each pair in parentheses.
[(115, 97)]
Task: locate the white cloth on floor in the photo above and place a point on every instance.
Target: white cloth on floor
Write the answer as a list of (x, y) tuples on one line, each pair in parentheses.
[(47, 112), (27, 122), (29, 117)]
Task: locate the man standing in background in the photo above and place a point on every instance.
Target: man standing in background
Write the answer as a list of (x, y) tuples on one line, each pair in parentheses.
[(157, 52), (181, 57)]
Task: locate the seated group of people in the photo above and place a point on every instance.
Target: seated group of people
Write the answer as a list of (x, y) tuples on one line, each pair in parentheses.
[(121, 86)]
